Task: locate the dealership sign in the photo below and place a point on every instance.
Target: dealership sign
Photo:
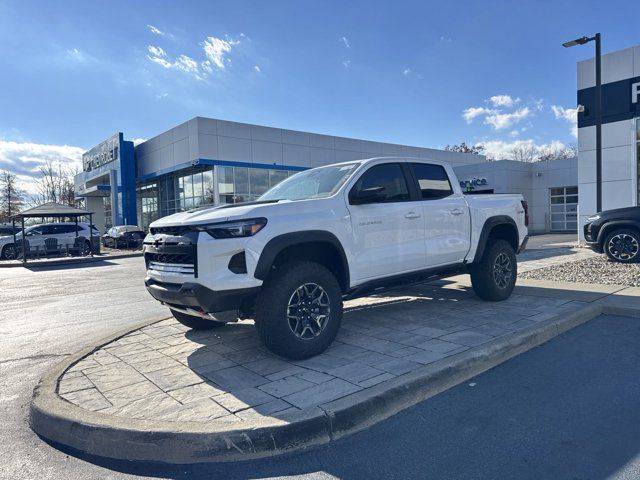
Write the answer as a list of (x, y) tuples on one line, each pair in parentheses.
[(620, 101), (469, 185), (102, 154)]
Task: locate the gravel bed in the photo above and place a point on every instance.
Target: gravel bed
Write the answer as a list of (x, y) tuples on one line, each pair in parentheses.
[(591, 270)]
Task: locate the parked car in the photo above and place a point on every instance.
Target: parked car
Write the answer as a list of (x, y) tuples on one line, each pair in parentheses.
[(6, 230), (63, 232), (326, 235), (123, 236), (616, 233)]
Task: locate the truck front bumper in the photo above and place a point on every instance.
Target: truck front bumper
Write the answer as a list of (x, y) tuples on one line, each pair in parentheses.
[(199, 297)]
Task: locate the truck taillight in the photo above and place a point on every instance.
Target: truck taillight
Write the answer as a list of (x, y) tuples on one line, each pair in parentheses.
[(525, 206)]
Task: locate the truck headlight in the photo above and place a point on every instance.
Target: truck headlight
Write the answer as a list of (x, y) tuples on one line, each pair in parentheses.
[(234, 229), (593, 218)]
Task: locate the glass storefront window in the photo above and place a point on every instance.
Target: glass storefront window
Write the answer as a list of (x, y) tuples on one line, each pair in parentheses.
[(241, 180), (108, 213), (258, 181), (207, 186), (241, 184)]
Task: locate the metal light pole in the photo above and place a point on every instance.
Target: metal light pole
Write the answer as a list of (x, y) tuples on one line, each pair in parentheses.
[(582, 41)]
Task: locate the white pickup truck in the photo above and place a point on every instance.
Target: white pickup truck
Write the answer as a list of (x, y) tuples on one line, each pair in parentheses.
[(326, 235)]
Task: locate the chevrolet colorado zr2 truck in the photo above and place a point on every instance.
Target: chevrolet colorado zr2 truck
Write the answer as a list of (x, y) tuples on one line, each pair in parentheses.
[(329, 234)]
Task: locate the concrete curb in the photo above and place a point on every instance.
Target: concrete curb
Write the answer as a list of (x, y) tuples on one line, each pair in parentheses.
[(103, 435), (72, 261)]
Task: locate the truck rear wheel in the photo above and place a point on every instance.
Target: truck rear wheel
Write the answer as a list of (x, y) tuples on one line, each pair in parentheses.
[(299, 310), (196, 323), (494, 277)]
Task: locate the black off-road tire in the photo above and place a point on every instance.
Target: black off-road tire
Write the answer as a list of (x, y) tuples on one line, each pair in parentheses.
[(280, 291), (487, 283), (196, 323), (630, 253)]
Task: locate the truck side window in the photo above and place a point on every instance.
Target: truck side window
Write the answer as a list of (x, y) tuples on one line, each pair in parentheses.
[(388, 179), (433, 180)]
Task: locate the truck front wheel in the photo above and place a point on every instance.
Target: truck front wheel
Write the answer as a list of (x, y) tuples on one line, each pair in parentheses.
[(196, 323), (299, 310), (494, 277)]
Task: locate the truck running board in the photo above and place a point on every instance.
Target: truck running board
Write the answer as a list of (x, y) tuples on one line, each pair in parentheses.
[(412, 278)]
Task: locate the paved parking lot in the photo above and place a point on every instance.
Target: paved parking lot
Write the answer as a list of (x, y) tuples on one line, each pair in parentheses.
[(48, 314)]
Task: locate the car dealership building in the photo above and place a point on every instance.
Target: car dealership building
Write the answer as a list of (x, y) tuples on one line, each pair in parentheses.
[(209, 161)]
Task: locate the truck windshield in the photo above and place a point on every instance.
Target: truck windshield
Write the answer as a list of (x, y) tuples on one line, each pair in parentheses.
[(317, 183)]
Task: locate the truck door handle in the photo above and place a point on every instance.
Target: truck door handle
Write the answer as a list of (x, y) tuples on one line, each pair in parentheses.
[(456, 211), (412, 215)]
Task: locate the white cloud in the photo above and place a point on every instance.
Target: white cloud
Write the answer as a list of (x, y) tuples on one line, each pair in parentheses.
[(445, 39), (503, 100), (25, 159), (186, 64), (406, 71), (138, 141), (76, 55), (159, 56), (183, 63), (570, 115), (155, 30), (346, 63), (345, 40), (216, 57), (471, 113), (501, 121), (217, 51), (257, 68)]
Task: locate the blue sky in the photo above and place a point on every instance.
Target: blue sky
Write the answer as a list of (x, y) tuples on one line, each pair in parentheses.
[(420, 73)]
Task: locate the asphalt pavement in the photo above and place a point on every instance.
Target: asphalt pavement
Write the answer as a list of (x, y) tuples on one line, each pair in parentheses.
[(567, 409)]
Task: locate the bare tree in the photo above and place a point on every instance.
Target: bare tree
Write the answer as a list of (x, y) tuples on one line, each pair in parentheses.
[(464, 148), (558, 152), (11, 197), (55, 184), (524, 153)]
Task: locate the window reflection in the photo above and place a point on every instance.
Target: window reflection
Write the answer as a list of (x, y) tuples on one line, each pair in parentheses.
[(240, 184), (194, 188)]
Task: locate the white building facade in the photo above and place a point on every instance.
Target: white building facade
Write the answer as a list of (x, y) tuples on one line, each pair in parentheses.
[(549, 187), (620, 132)]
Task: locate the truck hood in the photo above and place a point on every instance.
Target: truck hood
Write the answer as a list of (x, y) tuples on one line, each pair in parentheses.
[(213, 214)]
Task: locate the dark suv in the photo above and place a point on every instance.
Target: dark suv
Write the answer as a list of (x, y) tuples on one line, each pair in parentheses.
[(616, 233)]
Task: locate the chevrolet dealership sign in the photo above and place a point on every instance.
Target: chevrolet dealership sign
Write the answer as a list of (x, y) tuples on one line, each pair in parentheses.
[(102, 154)]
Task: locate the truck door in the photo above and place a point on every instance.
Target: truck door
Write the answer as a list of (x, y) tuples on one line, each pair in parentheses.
[(387, 224), (447, 217)]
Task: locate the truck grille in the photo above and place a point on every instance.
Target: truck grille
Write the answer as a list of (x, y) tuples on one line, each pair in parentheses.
[(182, 263), (175, 258)]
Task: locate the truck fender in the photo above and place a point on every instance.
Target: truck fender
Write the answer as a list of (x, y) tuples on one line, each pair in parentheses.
[(489, 225), (278, 244)]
